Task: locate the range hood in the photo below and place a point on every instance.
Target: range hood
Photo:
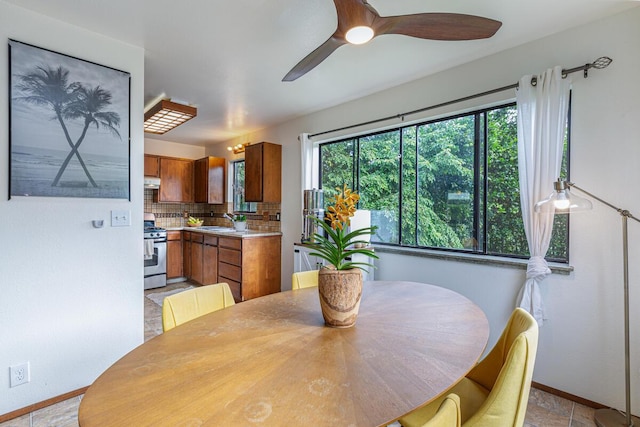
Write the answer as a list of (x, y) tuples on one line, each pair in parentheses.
[(151, 182)]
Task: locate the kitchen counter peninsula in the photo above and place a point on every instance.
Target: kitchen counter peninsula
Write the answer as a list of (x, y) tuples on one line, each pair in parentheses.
[(249, 261), (222, 231)]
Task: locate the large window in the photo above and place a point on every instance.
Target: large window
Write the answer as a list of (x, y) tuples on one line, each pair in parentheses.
[(449, 184)]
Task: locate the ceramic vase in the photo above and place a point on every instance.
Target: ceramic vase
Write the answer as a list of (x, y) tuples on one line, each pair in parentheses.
[(340, 292), (240, 225)]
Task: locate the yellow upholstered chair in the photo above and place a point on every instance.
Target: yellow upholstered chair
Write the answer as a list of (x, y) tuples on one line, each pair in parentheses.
[(304, 279), (495, 392), (448, 414), (187, 305)]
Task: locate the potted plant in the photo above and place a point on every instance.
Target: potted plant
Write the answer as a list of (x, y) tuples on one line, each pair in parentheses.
[(240, 222), (340, 282)]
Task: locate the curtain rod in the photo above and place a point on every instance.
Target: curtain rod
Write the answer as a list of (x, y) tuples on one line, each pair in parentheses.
[(598, 64)]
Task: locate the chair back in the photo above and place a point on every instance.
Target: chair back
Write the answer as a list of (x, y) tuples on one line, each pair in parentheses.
[(507, 372), (448, 414), (187, 305), (304, 279)]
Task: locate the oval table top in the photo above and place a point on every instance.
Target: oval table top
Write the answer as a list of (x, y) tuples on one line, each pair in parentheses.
[(271, 361)]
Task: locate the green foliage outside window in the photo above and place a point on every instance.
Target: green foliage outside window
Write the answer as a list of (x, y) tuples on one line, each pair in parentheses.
[(449, 184)]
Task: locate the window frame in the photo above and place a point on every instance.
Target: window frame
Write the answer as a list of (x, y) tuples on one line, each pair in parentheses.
[(480, 179), (251, 207)]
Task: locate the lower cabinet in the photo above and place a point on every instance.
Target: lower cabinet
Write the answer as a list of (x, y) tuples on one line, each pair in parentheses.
[(210, 260), (196, 258), (251, 266), (174, 255), (186, 254)]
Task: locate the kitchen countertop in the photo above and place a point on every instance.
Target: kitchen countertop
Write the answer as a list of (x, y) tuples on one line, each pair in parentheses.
[(240, 234)]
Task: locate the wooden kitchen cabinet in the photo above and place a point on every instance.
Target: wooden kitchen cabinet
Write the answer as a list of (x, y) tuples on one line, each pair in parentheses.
[(209, 180), (174, 254), (176, 177), (251, 266), (186, 254), (196, 257), (200, 260), (263, 172), (151, 165), (210, 260)]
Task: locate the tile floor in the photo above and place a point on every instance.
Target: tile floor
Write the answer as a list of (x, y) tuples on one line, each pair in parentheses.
[(544, 409)]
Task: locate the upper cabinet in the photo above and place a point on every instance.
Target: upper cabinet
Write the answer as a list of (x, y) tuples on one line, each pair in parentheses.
[(263, 173), (209, 180), (151, 165), (176, 177)]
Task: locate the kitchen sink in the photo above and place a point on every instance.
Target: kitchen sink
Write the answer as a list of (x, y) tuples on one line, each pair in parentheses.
[(217, 228)]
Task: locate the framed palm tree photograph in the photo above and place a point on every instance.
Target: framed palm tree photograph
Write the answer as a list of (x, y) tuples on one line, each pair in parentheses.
[(69, 126)]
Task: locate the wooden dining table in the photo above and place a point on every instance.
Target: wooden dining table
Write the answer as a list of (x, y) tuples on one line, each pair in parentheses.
[(271, 361)]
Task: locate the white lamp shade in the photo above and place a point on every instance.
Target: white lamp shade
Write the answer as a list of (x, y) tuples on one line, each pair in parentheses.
[(562, 201)]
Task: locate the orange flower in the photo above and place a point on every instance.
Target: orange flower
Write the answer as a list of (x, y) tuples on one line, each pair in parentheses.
[(343, 209)]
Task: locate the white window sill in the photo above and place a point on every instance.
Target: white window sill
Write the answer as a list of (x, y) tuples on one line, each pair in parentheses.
[(521, 264)]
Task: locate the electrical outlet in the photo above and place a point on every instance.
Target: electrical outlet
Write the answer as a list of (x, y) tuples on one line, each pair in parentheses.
[(19, 374), (120, 218)]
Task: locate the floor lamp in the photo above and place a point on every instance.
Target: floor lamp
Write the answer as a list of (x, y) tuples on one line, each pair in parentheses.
[(562, 201)]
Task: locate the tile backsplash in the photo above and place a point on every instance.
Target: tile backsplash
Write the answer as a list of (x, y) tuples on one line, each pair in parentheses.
[(172, 215)]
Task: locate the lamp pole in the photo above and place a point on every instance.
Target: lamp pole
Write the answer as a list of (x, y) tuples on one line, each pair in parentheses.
[(612, 417)]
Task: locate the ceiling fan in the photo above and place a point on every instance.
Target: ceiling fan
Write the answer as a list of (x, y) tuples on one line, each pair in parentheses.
[(359, 22)]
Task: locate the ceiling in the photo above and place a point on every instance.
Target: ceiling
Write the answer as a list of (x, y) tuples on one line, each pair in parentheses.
[(228, 57)]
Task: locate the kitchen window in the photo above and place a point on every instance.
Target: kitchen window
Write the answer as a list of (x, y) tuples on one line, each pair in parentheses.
[(239, 203), (449, 184)]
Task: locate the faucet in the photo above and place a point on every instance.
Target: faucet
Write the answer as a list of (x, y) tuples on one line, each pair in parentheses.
[(226, 215)]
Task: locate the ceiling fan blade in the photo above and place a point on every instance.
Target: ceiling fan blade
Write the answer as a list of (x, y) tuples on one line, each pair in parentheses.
[(352, 13), (310, 61), (438, 26)]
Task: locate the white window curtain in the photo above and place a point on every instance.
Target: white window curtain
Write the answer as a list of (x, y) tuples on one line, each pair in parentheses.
[(306, 159), (542, 118)]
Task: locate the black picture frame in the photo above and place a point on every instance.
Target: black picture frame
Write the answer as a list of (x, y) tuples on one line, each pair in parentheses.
[(69, 126)]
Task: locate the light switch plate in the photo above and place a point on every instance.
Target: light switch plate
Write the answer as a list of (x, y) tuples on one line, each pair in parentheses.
[(120, 218)]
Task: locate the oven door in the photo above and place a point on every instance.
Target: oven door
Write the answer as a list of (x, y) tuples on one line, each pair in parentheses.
[(155, 265)]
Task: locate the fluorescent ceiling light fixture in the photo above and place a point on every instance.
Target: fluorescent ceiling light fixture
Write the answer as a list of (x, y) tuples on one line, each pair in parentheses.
[(166, 115), (359, 35)]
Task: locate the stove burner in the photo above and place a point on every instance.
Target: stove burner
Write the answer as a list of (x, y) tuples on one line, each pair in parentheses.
[(153, 232)]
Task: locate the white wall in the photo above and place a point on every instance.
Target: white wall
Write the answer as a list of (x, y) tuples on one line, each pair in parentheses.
[(173, 149), (581, 346), (71, 296)]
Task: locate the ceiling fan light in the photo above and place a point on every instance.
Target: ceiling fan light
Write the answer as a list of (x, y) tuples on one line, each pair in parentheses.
[(359, 35)]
